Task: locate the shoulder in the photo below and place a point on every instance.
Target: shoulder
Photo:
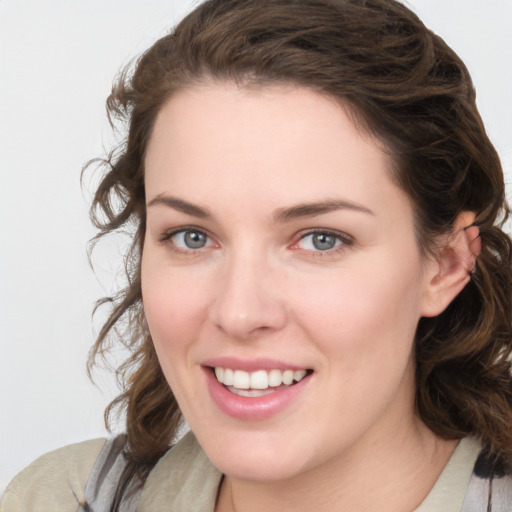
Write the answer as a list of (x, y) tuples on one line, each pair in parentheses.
[(55, 481), (448, 493), (183, 479), (471, 481), (490, 487)]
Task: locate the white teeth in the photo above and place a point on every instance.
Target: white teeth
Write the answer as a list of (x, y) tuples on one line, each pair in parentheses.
[(275, 378), (241, 380), (250, 392), (299, 375), (287, 377), (258, 380), (228, 377)]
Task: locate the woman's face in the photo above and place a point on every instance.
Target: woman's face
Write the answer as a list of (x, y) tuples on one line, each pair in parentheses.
[(278, 247)]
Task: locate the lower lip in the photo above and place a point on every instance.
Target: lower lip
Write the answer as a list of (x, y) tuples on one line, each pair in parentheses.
[(253, 408)]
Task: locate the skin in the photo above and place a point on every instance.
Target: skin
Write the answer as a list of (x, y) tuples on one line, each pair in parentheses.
[(260, 288)]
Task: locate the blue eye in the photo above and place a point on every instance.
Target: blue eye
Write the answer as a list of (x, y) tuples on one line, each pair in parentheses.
[(194, 240), (321, 241), (189, 239)]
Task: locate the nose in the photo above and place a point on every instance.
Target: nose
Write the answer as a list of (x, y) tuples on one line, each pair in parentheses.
[(248, 302)]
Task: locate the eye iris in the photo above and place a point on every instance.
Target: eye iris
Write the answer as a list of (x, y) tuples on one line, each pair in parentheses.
[(323, 242), (194, 240)]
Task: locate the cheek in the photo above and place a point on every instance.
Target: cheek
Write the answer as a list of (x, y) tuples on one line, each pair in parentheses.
[(364, 328), (174, 312), (370, 315), (174, 306)]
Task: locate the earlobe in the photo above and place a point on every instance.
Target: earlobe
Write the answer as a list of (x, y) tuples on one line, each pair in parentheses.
[(453, 265)]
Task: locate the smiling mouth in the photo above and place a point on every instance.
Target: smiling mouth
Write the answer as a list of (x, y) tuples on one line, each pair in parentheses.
[(260, 382)]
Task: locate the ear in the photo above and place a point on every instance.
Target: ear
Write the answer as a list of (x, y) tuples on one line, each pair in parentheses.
[(450, 270)]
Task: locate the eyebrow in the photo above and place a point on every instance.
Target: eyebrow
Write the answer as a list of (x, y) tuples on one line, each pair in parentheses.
[(180, 205), (317, 208), (281, 215)]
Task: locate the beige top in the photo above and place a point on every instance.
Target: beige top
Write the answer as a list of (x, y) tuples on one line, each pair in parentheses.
[(183, 480)]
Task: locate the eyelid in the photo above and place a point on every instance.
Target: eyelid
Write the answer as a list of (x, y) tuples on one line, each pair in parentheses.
[(166, 236), (346, 239), (169, 233)]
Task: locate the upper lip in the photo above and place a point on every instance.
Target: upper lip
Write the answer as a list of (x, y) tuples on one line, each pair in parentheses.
[(251, 365)]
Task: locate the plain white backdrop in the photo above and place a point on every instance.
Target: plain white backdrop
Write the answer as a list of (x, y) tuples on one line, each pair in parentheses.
[(57, 62)]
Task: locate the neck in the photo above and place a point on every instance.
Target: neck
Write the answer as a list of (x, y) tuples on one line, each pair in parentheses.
[(393, 476)]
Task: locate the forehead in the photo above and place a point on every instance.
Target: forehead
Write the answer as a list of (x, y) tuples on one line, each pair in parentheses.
[(270, 144)]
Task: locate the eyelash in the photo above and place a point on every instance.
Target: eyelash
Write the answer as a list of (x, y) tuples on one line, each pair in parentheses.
[(344, 240), (166, 237)]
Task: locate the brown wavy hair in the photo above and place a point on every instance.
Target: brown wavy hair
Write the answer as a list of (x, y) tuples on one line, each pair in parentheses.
[(406, 87)]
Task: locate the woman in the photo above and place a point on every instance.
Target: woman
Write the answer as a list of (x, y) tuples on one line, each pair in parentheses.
[(319, 282)]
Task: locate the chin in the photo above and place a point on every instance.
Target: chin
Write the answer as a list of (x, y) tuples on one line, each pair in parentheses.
[(256, 456), (255, 470)]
